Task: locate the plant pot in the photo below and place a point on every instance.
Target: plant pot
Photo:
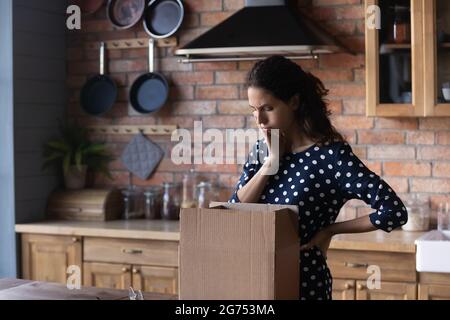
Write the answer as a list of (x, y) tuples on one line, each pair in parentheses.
[(75, 179)]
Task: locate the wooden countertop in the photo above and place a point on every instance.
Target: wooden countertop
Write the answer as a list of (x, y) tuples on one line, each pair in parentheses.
[(16, 289), (129, 229), (396, 241)]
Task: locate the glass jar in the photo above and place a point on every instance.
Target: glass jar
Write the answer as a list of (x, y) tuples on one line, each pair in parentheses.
[(418, 216), (205, 194), (132, 198), (171, 201), (153, 202), (189, 190), (401, 28)]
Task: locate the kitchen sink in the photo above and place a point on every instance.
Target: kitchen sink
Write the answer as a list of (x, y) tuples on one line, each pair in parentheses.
[(433, 252)]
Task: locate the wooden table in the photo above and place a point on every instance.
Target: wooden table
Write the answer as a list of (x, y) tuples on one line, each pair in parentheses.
[(16, 289)]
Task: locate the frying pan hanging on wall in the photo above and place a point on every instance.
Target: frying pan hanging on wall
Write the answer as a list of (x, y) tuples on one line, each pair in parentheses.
[(124, 14), (150, 91), (162, 18), (88, 6), (99, 93)]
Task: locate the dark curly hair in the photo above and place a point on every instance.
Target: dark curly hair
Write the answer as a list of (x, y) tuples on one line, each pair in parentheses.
[(284, 79)]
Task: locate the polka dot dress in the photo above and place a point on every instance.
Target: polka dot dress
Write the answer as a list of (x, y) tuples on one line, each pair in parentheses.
[(320, 180)]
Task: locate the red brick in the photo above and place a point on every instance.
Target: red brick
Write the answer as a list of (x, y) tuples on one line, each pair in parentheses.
[(430, 185), (215, 66), (441, 169), (86, 67), (398, 184), (399, 124), (155, 179), (196, 77), (128, 66), (225, 168), (216, 92), (335, 106), (75, 54), (203, 5), (374, 166), (75, 81), (233, 4), (209, 19), (360, 152), (191, 20), (391, 152), (420, 137), (182, 122), (178, 93), (223, 122), (360, 74), (435, 124), (352, 122), (443, 137), (354, 106), (194, 107), (333, 75), (380, 137), (230, 77), (96, 26), (342, 60), (349, 135), (234, 107), (347, 90), (407, 169), (433, 153)]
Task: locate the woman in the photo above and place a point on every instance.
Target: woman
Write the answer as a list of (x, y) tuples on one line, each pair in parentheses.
[(317, 168)]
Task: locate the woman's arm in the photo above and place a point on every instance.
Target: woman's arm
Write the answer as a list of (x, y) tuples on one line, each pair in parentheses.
[(251, 192)]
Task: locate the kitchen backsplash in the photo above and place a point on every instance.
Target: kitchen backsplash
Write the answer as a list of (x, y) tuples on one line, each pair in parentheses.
[(412, 155)]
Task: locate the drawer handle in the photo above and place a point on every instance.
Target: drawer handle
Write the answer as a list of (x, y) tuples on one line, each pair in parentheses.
[(360, 287), (348, 286), (124, 270), (356, 265), (135, 271), (75, 240), (132, 251)]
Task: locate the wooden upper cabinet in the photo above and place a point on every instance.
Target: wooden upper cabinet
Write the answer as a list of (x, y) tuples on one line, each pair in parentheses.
[(406, 62), (437, 57), (47, 257)]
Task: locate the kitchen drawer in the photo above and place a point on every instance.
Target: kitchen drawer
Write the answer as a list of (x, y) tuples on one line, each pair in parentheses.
[(354, 265), (143, 252)]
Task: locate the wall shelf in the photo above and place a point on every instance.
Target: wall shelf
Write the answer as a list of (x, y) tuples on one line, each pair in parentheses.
[(132, 43), (155, 130)]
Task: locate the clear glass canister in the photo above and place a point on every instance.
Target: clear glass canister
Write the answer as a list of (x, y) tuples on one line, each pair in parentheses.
[(153, 202), (171, 201), (418, 216), (205, 194), (132, 198)]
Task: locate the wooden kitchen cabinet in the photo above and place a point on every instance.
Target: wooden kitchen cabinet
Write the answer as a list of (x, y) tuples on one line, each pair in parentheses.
[(155, 279), (107, 275), (387, 291), (47, 257), (408, 58), (434, 286), (343, 289), (352, 268)]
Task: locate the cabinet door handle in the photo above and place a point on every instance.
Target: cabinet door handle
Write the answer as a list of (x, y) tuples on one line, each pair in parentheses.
[(75, 240), (124, 269), (360, 287), (132, 251), (135, 271), (348, 286), (356, 265)]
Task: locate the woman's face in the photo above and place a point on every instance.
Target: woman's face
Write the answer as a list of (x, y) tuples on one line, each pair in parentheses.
[(270, 112)]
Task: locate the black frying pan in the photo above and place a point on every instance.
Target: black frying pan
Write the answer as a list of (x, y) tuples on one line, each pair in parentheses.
[(150, 91), (99, 93), (162, 18), (124, 14)]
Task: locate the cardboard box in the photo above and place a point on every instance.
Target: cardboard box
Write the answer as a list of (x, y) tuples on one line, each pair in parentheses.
[(239, 251)]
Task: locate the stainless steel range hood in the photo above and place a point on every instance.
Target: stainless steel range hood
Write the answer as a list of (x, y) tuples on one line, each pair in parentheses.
[(260, 29)]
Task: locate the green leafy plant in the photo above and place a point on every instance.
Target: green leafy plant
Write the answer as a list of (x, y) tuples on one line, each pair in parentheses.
[(74, 148)]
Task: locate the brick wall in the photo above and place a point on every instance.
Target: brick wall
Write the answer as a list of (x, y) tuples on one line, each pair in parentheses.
[(413, 155)]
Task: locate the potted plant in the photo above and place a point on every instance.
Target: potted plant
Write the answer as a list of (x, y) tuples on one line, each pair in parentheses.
[(75, 154)]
